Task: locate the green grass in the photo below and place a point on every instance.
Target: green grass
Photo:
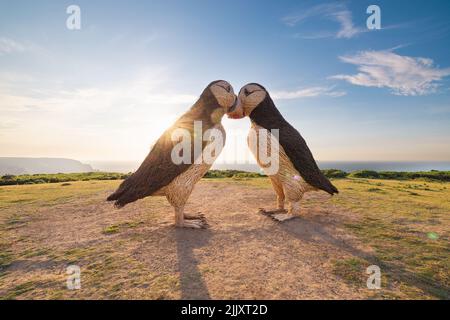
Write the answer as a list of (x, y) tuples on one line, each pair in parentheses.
[(115, 228), (19, 290), (50, 194), (408, 232), (351, 270), (6, 256), (111, 229), (7, 180)]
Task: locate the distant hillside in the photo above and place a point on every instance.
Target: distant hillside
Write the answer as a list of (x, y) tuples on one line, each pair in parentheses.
[(18, 166)]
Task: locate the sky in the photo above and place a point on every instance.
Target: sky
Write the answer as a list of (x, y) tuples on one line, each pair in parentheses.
[(108, 90)]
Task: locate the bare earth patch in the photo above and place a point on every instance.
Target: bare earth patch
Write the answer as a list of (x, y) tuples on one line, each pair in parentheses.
[(137, 253)]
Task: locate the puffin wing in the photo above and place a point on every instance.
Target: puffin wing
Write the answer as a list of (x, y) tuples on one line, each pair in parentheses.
[(301, 157), (156, 172)]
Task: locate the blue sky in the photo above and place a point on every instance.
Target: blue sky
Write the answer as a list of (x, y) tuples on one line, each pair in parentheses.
[(107, 91)]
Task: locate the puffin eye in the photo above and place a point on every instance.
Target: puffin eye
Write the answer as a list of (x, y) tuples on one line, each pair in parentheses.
[(229, 89), (246, 92)]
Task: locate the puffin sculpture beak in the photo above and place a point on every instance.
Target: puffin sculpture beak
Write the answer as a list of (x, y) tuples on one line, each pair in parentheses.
[(236, 111), (231, 109)]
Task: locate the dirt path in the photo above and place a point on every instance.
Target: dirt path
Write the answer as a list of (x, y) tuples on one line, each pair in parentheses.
[(137, 253)]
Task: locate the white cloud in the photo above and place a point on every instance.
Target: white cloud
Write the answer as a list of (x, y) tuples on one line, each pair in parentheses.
[(8, 46), (90, 123), (402, 74), (347, 30), (297, 18), (307, 93), (150, 88), (85, 99), (333, 11)]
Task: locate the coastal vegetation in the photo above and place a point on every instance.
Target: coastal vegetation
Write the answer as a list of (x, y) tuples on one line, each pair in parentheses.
[(432, 175)]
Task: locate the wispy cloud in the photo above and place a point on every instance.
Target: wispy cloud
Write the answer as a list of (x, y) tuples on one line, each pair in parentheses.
[(8, 46), (348, 29), (333, 11), (87, 102), (404, 75), (90, 121), (307, 93), (142, 100), (294, 19)]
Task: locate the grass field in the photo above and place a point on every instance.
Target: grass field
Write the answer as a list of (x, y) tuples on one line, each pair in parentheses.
[(401, 226)]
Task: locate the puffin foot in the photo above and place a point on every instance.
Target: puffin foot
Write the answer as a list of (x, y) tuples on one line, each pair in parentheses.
[(194, 224), (194, 216), (271, 212), (281, 217), (277, 214)]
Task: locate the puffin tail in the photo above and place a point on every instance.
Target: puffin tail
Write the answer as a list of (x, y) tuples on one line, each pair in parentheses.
[(329, 187), (124, 194), (116, 196)]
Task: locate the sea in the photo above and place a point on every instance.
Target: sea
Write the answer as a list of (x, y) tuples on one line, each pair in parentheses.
[(348, 166)]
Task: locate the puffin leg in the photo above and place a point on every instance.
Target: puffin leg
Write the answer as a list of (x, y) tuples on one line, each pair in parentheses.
[(194, 216), (280, 203), (278, 187), (294, 211), (181, 222)]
